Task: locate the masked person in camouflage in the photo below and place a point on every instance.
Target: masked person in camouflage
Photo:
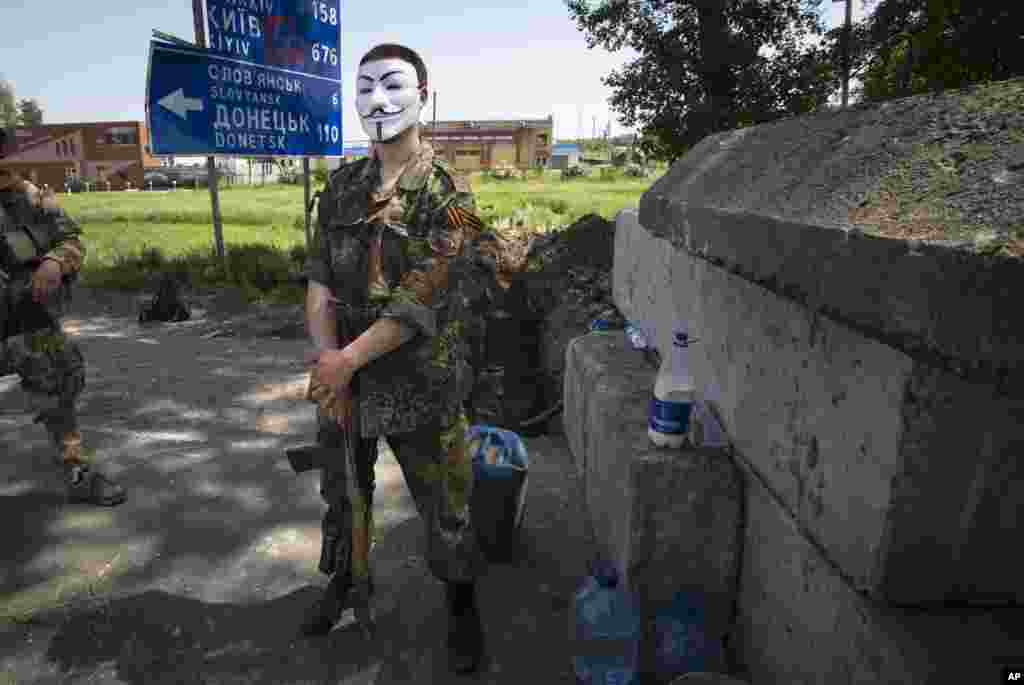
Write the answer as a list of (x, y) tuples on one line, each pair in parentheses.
[(392, 291), (40, 251)]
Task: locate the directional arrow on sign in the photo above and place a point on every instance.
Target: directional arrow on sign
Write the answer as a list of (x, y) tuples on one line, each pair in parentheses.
[(179, 104)]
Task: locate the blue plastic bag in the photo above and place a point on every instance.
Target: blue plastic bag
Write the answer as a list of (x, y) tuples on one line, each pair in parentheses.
[(682, 643), (500, 466), (606, 629)]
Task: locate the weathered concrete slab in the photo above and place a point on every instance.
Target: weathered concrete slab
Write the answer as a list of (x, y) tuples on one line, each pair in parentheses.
[(607, 387), (799, 622), (775, 203), (907, 476), (684, 520), (669, 519)]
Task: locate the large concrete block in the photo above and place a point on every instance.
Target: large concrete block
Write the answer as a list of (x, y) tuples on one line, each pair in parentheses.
[(607, 388), (800, 622), (787, 203), (685, 509), (908, 476), (668, 519)]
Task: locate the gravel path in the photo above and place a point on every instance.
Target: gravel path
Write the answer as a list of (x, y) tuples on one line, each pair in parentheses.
[(203, 574)]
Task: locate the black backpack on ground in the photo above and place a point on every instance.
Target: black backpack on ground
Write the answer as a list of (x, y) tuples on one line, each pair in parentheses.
[(167, 305)]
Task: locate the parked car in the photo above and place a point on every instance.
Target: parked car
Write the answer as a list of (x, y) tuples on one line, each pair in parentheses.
[(155, 180), (576, 171), (76, 184)]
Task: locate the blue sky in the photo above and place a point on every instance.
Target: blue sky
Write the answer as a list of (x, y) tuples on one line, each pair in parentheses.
[(86, 61)]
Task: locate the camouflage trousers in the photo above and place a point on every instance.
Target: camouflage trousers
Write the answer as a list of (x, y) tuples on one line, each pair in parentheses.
[(487, 401), (52, 372), (439, 474)]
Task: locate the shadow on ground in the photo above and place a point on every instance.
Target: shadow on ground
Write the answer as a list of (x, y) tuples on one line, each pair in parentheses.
[(157, 637), (204, 573)]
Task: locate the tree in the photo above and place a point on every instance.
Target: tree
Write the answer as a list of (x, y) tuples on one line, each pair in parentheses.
[(30, 113), (701, 68), (8, 109), (908, 47)]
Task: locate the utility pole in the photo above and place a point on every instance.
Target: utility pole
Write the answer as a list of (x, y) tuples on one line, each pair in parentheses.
[(846, 50), (433, 127), (211, 164)]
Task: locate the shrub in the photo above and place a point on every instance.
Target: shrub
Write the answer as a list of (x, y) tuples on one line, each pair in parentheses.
[(259, 266), (298, 254), (557, 205), (637, 171)]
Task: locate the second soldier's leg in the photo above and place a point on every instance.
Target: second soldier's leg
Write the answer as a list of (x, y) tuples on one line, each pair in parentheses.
[(52, 372)]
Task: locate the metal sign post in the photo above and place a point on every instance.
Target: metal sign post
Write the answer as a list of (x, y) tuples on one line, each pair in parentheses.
[(305, 204), (211, 164)]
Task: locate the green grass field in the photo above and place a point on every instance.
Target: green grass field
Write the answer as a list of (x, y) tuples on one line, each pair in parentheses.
[(131, 235)]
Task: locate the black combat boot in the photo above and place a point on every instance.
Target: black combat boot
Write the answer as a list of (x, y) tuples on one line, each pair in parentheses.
[(465, 633), (87, 485), (322, 616)]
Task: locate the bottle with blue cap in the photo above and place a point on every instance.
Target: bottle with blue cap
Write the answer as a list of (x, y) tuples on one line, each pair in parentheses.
[(636, 336), (605, 628), (674, 394)]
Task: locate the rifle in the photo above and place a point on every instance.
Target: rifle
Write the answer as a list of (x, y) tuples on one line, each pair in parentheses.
[(308, 457)]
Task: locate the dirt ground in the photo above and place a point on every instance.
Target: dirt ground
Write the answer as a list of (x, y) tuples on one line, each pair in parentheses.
[(202, 576)]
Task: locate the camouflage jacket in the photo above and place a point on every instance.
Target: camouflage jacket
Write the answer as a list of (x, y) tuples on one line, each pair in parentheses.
[(404, 255), (21, 203)]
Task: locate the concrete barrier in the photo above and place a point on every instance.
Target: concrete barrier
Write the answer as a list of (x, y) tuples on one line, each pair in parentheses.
[(799, 622), (668, 519), (906, 474)]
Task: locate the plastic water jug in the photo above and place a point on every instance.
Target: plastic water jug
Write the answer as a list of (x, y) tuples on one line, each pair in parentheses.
[(705, 430), (674, 394), (606, 627), (636, 336), (682, 643)]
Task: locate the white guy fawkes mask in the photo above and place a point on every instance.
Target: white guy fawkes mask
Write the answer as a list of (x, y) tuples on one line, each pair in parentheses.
[(387, 98)]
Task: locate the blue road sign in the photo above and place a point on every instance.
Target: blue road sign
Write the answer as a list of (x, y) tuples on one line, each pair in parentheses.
[(202, 104), (298, 35)]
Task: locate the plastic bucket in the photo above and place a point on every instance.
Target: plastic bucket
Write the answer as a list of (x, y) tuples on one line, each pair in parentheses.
[(500, 468)]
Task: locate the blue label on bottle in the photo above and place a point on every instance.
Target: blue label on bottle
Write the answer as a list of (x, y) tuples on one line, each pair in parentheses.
[(618, 676), (669, 418)]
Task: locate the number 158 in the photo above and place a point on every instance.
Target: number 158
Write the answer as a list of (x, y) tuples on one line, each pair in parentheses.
[(326, 15)]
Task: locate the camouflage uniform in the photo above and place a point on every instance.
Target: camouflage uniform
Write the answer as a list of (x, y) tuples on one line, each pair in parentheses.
[(33, 344), (404, 255)]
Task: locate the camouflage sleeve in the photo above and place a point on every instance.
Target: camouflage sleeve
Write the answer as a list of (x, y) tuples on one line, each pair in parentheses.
[(66, 235), (451, 222), (317, 266)]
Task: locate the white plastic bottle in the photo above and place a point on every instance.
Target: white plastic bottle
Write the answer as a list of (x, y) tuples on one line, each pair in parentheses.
[(674, 395)]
